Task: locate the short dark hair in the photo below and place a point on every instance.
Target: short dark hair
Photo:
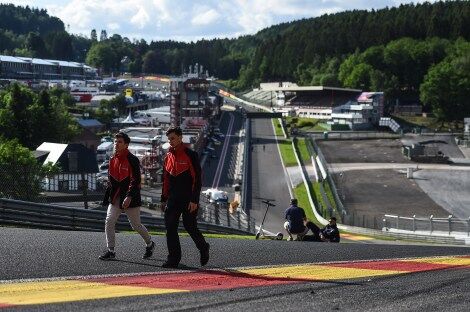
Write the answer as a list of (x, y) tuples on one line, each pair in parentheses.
[(124, 136), (333, 219), (293, 201), (175, 130)]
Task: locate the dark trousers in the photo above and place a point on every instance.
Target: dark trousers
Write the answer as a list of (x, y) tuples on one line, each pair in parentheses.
[(315, 230), (176, 208)]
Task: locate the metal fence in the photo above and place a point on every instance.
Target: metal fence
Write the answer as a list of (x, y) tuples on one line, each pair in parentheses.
[(21, 213), (366, 221), (350, 135), (429, 224), (329, 178), (220, 214), (86, 192)]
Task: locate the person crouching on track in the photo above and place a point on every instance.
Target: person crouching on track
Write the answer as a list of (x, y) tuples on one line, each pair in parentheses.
[(180, 196), (298, 224), (296, 218), (123, 195)]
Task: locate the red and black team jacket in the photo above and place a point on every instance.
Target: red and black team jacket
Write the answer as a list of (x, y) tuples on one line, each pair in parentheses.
[(181, 175), (123, 180)]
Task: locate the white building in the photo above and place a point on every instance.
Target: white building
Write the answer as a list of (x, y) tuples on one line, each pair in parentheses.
[(360, 114)]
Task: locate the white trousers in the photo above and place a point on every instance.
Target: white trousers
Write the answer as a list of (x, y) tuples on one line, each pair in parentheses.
[(133, 215)]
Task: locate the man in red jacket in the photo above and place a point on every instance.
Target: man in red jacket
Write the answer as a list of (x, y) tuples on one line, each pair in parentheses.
[(123, 195), (180, 196)]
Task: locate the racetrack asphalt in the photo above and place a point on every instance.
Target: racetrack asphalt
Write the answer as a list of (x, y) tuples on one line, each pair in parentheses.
[(29, 253), (32, 254)]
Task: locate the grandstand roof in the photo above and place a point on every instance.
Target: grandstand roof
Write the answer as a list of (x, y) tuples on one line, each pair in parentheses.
[(307, 88), (89, 123), (65, 63), (35, 60), (7, 58)]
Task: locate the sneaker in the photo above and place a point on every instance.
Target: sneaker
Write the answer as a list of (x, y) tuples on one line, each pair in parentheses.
[(108, 255), (205, 255), (170, 265), (149, 251), (290, 238)]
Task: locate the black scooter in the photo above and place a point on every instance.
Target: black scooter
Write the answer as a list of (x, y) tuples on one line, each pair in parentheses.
[(260, 234)]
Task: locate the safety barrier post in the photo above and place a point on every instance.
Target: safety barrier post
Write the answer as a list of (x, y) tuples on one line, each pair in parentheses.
[(468, 226), (450, 223), (430, 222), (239, 220), (217, 220), (414, 223)]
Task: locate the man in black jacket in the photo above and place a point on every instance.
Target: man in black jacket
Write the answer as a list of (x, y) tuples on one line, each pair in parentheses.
[(180, 196), (330, 232), (123, 195)]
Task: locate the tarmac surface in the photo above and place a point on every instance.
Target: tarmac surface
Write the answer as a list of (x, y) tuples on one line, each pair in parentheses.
[(29, 254), (369, 189), (268, 180), (363, 151), (449, 189), (378, 192)]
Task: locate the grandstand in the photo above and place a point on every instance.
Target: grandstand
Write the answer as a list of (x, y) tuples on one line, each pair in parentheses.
[(27, 68), (337, 106), (261, 97)]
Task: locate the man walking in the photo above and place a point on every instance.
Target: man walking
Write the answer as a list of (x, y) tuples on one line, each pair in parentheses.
[(180, 196), (123, 195)]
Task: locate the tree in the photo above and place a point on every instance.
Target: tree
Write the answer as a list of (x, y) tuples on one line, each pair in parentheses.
[(446, 86), (104, 113), (36, 45), (32, 119), (93, 35), (102, 56), (59, 45), (80, 45), (20, 172), (150, 62), (119, 103), (359, 77), (103, 35), (135, 67)]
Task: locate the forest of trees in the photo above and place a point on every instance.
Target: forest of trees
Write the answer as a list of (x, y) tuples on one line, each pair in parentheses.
[(272, 54), (402, 50)]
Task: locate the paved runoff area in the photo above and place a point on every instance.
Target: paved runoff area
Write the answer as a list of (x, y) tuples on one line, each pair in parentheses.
[(59, 290)]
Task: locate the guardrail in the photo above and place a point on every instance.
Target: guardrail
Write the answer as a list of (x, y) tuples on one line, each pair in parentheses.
[(246, 166), (447, 240), (353, 135), (15, 212), (339, 204), (449, 225)]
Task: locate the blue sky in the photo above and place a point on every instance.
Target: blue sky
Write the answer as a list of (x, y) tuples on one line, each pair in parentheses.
[(189, 20)]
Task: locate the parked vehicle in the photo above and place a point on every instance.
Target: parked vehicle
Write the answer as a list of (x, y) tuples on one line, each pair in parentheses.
[(104, 166), (104, 151), (216, 196)]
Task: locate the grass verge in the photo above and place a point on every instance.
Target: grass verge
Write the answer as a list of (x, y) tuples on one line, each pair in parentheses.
[(278, 128), (287, 152), (301, 194)]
